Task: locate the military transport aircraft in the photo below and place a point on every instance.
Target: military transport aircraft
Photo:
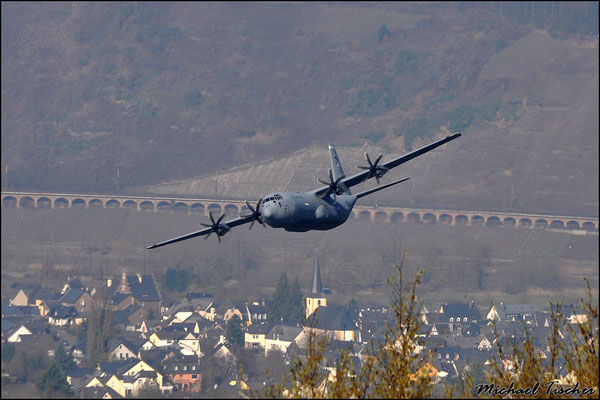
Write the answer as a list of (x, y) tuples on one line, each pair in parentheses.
[(321, 209)]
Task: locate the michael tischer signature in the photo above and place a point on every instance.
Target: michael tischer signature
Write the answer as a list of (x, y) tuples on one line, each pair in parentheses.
[(551, 388)]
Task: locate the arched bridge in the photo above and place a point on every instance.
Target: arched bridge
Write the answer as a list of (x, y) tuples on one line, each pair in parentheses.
[(235, 207)]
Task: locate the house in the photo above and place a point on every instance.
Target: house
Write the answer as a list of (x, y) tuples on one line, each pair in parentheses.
[(73, 283), (184, 372), (189, 344), (13, 311), (209, 312), (448, 353), (164, 339), (82, 301), (427, 370), (120, 301), (147, 326), (135, 315), (485, 342), (79, 351), (181, 314), (572, 314), (511, 312), (434, 318), (14, 334), (257, 312), (78, 376), (64, 316), (372, 322), (143, 290), (255, 335), (280, 336), (33, 295), (128, 376), (27, 294), (460, 312), (99, 392), (471, 330), (229, 308), (121, 349), (334, 321)]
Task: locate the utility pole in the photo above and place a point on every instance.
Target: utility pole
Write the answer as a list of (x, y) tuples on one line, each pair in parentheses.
[(216, 186), (118, 183)]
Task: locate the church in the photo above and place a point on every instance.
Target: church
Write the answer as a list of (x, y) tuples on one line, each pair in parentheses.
[(333, 320)]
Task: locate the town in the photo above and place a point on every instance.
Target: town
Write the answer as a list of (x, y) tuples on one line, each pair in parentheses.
[(125, 340)]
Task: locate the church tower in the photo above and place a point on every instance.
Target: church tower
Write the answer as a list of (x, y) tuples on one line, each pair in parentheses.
[(315, 298), (124, 286)]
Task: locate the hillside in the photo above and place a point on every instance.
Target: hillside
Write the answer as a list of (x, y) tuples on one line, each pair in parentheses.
[(155, 92)]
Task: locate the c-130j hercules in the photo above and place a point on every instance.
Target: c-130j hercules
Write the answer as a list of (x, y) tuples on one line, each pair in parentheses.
[(321, 209)]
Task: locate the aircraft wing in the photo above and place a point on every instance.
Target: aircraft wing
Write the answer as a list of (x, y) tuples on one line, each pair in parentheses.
[(229, 224), (362, 176)]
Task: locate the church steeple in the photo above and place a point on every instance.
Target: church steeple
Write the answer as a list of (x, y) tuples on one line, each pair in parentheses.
[(124, 286), (317, 287), (315, 298)]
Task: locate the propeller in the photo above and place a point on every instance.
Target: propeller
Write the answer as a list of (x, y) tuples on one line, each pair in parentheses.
[(335, 187), (216, 226), (254, 213), (375, 170)]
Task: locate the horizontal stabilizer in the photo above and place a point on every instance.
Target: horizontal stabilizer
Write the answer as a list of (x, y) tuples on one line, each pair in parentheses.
[(367, 192)]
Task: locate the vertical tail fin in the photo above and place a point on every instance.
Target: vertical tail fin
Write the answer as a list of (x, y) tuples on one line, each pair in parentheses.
[(336, 166)]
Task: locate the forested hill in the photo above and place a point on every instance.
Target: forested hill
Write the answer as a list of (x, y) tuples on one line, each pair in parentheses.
[(162, 90)]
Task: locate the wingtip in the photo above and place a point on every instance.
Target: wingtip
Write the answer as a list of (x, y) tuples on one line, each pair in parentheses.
[(151, 247)]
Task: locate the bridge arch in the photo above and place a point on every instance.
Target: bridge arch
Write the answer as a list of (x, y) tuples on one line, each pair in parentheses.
[(525, 223), (147, 205), (396, 217), (198, 208), (461, 219), (112, 203), (364, 215), (96, 203), (245, 210), (44, 202), (413, 217), (477, 220), (588, 226), (510, 221), (541, 223), (78, 203), (130, 204), (573, 225), (381, 215), (445, 219), (215, 208), (493, 221), (429, 218), (163, 206), (61, 202), (557, 224), (180, 206), (231, 209), (9, 201), (26, 202)]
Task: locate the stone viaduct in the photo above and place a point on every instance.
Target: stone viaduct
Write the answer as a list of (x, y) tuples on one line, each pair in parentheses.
[(235, 207)]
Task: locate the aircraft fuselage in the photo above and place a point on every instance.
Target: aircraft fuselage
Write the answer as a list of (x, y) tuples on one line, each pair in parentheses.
[(301, 212)]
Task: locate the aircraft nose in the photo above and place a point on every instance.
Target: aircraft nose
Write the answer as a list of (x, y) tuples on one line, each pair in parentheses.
[(267, 212)]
